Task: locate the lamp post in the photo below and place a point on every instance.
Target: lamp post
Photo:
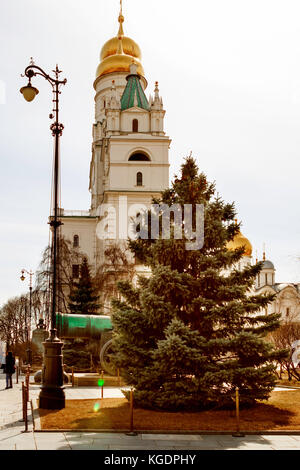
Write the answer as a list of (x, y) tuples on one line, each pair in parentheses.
[(52, 395), (28, 328)]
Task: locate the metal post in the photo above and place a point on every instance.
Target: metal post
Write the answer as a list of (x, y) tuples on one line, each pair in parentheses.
[(131, 431), (52, 396), (32, 414), (28, 327), (23, 400), (238, 433), (29, 355), (102, 382), (27, 382), (24, 403)]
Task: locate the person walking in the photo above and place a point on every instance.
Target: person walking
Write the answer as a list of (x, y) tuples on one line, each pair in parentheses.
[(9, 368)]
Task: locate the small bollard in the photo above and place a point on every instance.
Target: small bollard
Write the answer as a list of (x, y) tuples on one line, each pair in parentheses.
[(23, 400), (17, 374), (24, 403), (32, 414), (238, 433), (101, 383), (27, 382), (131, 431), (72, 376)]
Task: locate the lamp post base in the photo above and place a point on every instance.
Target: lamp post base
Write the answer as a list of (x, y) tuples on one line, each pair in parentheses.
[(52, 399), (52, 395)]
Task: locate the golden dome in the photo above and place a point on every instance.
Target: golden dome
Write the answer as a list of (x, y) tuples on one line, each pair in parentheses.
[(118, 63), (130, 47), (118, 53), (239, 241)]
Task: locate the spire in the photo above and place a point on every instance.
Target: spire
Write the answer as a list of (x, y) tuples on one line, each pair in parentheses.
[(121, 21), (264, 252), (156, 91), (121, 31), (156, 103)]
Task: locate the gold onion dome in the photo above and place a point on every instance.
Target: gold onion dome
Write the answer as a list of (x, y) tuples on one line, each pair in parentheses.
[(118, 53), (240, 241)]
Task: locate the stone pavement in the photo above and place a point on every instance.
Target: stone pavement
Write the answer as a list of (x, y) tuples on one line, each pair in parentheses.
[(12, 436)]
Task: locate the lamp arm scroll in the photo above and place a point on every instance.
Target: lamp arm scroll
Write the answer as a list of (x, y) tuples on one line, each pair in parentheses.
[(29, 72)]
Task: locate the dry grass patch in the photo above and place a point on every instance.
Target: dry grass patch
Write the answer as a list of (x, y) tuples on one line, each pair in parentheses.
[(280, 412)]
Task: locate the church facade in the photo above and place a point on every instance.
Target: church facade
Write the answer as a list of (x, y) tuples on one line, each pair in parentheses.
[(130, 165)]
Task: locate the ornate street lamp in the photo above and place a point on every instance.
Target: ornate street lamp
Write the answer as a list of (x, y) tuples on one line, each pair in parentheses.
[(52, 396), (28, 328)]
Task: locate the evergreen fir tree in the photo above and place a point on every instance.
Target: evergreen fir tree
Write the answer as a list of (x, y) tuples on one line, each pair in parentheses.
[(83, 298), (192, 332)]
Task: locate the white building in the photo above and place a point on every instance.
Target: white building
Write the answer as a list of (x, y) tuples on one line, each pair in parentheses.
[(130, 151)]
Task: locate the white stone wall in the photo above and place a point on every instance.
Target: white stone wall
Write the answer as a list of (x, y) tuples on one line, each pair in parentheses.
[(85, 228)]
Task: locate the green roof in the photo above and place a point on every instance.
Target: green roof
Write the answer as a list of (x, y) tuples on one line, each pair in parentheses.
[(133, 94)]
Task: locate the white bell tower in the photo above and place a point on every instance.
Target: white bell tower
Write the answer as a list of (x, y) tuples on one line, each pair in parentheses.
[(130, 150)]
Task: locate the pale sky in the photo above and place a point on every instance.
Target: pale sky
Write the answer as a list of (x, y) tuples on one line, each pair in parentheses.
[(229, 75)]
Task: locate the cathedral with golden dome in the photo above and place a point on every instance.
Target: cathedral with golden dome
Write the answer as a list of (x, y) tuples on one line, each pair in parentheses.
[(287, 300), (130, 166)]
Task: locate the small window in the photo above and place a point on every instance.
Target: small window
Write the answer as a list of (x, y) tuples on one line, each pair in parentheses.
[(139, 179), (75, 241), (75, 271), (287, 311), (266, 278), (135, 125)]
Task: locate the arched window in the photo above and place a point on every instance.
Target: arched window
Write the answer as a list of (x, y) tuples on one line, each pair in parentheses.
[(135, 125), (139, 179), (76, 241), (139, 157)]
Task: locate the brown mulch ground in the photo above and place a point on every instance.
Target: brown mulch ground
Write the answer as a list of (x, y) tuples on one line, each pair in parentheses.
[(280, 412)]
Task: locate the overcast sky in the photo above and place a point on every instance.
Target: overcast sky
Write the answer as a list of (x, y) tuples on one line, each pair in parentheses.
[(229, 75)]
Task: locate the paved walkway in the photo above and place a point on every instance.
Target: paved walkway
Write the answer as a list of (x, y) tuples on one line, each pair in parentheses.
[(12, 436)]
